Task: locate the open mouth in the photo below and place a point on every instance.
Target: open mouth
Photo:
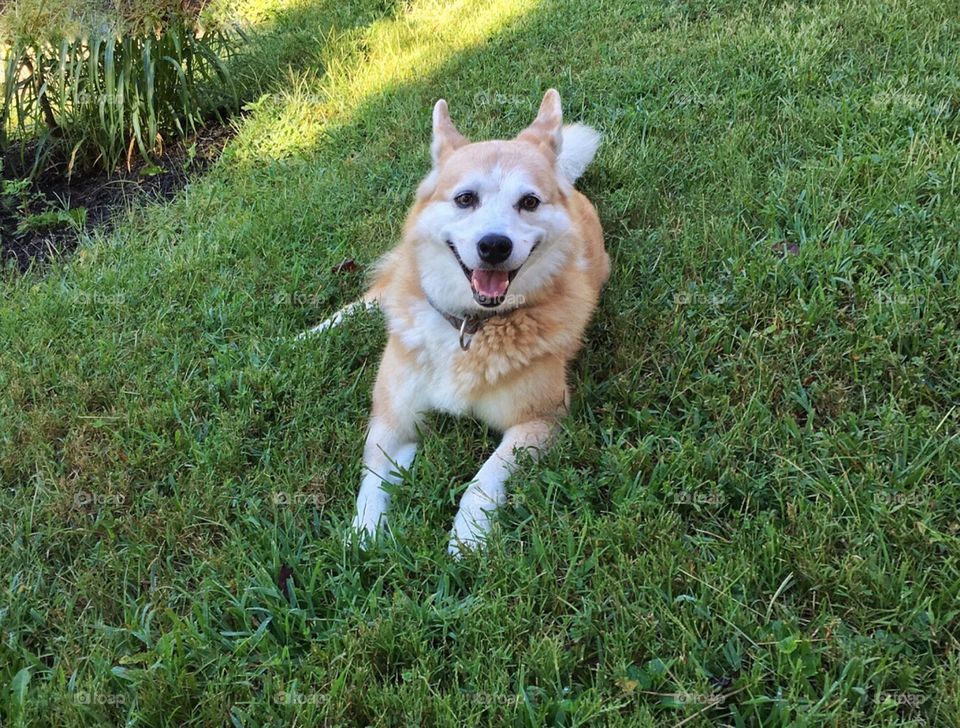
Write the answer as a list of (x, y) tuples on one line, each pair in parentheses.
[(489, 285)]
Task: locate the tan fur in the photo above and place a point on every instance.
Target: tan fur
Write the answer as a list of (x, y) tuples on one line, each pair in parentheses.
[(524, 352)]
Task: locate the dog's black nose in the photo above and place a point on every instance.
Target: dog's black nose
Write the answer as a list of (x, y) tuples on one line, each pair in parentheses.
[(494, 248)]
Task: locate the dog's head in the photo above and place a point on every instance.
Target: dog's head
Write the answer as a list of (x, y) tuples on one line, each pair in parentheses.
[(492, 223)]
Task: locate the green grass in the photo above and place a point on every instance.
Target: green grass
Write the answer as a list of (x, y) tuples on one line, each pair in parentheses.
[(751, 517)]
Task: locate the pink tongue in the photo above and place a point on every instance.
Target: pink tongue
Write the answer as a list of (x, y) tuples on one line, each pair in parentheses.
[(490, 283)]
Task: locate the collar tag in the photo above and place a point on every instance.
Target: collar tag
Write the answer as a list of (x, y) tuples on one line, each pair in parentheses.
[(465, 342)]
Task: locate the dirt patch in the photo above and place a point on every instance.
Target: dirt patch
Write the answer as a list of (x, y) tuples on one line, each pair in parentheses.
[(101, 196)]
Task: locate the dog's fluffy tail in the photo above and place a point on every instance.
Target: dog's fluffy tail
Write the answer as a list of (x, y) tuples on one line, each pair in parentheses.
[(369, 301), (579, 147)]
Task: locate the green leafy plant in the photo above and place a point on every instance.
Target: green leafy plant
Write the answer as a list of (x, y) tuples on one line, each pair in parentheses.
[(106, 89), (16, 193), (75, 217)]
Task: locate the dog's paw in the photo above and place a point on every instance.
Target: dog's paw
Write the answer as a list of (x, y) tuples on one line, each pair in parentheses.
[(363, 531), (457, 548), (470, 530)]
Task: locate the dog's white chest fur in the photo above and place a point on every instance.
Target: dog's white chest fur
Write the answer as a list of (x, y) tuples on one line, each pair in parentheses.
[(436, 345)]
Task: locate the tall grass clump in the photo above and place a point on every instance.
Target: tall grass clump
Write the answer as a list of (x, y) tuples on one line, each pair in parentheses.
[(93, 84)]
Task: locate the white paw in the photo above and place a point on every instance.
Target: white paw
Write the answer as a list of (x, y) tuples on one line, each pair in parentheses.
[(364, 530), (470, 530)]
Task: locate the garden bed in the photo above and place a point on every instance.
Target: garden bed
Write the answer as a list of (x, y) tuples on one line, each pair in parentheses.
[(101, 104), (51, 215)]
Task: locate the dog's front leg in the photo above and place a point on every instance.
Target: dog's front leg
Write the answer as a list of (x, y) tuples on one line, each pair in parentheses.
[(487, 492), (385, 453), (391, 443)]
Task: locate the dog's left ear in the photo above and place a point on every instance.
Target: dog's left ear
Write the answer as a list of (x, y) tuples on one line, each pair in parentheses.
[(547, 128), (446, 138)]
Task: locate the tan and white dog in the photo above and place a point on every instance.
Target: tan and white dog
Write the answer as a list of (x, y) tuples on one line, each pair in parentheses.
[(487, 298)]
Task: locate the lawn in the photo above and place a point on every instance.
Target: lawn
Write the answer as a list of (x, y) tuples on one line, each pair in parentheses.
[(751, 515)]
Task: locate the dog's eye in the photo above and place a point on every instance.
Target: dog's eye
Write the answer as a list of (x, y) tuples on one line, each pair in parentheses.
[(465, 199), (529, 203)]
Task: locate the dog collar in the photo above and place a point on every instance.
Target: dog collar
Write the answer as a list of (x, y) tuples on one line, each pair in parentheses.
[(468, 325)]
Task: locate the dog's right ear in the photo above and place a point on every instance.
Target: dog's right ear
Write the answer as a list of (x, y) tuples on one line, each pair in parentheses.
[(446, 138)]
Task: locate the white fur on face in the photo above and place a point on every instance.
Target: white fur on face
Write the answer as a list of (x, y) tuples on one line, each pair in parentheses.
[(541, 238)]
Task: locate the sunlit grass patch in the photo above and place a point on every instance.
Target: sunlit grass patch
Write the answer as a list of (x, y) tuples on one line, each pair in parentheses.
[(358, 64)]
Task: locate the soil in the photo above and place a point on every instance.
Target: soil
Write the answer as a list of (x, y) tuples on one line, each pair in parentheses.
[(102, 195)]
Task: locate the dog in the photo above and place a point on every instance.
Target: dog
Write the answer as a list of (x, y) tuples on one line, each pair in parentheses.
[(487, 298)]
